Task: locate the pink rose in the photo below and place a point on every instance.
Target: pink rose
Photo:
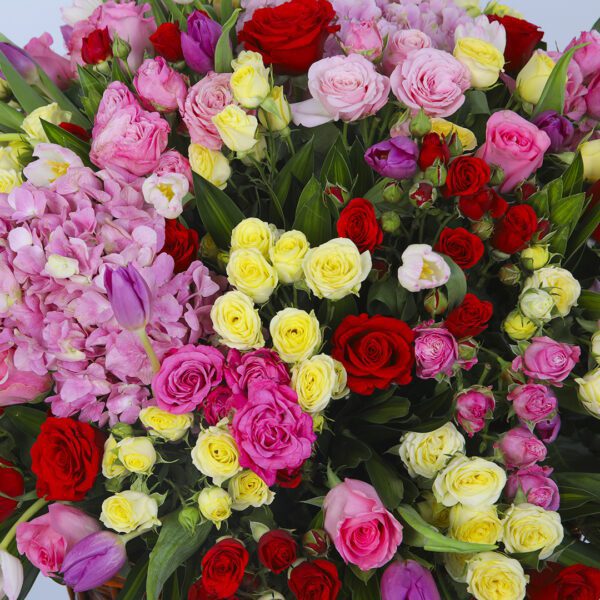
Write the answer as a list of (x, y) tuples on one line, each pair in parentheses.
[(362, 37), (537, 486), (432, 80), (47, 539), (592, 98), (436, 351), (186, 376), (363, 531), (342, 87), (473, 407), (160, 87), (57, 67), (220, 402), (533, 402), (241, 370), (205, 100), (400, 44), (116, 97), (18, 386), (520, 448), (271, 430), (547, 360), (172, 161), (515, 145), (588, 57)]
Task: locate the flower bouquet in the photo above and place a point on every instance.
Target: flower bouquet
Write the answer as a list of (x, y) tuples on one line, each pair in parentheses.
[(299, 299)]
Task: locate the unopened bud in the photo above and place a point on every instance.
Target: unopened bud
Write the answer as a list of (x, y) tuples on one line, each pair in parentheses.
[(483, 229), (455, 145), (189, 518), (435, 302), (420, 124), (337, 193), (390, 221), (120, 48), (436, 173), (208, 248), (122, 430), (535, 257), (497, 176), (422, 194), (315, 542), (392, 192), (509, 274), (222, 259)]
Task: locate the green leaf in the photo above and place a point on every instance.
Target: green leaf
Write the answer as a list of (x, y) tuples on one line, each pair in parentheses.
[(539, 202), (92, 88), (555, 193), (394, 408), (10, 117), (387, 298), (173, 9), (26, 419), (173, 547), (223, 49), (385, 480), (590, 302), (158, 11), (363, 576), (573, 177), (226, 10), (332, 312), (299, 167), (359, 590), (588, 483), (363, 174), (336, 169), (312, 215), (456, 286), (568, 210), (218, 211), (26, 96), (580, 553), (349, 452), (57, 135), (62, 100), (478, 103), (30, 574), (596, 26), (135, 583), (584, 230)]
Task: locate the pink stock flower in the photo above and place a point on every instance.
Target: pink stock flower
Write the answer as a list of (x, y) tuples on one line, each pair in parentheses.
[(363, 531), (400, 44), (519, 448), (159, 87), (242, 370), (537, 486), (17, 386), (473, 407), (533, 402), (436, 351), (57, 67)]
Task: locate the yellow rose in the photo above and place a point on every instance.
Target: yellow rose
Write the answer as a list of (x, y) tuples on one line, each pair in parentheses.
[(433, 512), (529, 528), (279, 115), (253, 233), (210, 164), (562, 286), (589, 391), (164, 424), (478, 525), (341, 381), (536, 304), (336, 269), (250, 84), (249, 272), (248, 489), (32, 125), (236, 128), (9, 180), (287, 255), (248, 58), (237, 322), (456, 565), (111, 467), (314, 381), (426, 454), (216, 454), (447, 129), (215, 505), (10, 157), (137, 454), (471, 481), (535, 257), (127, 511), (590, 153), (493, 576), (296, 334), (483, 60), (258, 152), (518, 327), (533, 77), (318, 423)]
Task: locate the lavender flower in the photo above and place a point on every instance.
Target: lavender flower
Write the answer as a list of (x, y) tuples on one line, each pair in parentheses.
[(129, 296), (395, 158), (198, 44)]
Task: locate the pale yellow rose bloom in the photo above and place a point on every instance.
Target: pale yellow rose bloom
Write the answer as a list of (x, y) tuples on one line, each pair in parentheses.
[(250, 272), (478, 525), (287, 255), (296, 334), (111, 467), (250, 85), (237, 322), (558, 282), (216, 454), (518, 327), (533, 77), (215, 505), (589, 391), (9, 180), (248, 489), (314, 380), (166, 425), (210, 164), (128, 511), (280, 115), (590, 153), (535, 257), (483, 59), (236, 128), (137, 454), (253, 233), (494, 576), (341, 388)]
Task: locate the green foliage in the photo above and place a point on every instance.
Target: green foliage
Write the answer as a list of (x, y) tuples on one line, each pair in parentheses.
[(57, 135), (312, 214), (223, 50)]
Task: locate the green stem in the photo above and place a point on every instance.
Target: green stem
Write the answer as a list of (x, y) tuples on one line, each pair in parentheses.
[(32, 510), (131, 536), (290, 144), (149, 349), (11, 137), (486, 369)]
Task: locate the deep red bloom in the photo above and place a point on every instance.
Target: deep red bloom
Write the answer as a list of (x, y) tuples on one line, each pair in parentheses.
[(470, 318), (466, 176), (316, 579), (181, 243), (515, 229), (485, 201), (167, 42), (96, 47), (11, 485), (277, 550), (433, 147), (576, 582), (223, 568), (462, 246), (289, 478), (76, 130), (359, 223)]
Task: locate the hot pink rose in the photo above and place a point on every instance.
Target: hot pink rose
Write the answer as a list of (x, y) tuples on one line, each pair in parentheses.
[(205, 100), (400, 44), (242, 370), (363, 531), (520, 448), (473, 407), (547, 360), (515, 145), (47, 539), (159, 87), (271, 430), (432, 80), (220, 402), (537, 486), (588, 57), (186, 376), (57, 67), (174, 162), (533, 402), (18, 386), (436, 351)]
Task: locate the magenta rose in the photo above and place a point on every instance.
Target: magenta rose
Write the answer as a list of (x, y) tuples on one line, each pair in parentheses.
[(186, 376), (241, 370), (400, 44), (548, 429), (363, 531), (533, 402), (515, 145), (588, 57), (547, 360), (17, 386), (271, 430), (220, 402), (537, 486), (46, 540), (520, 448), (473, 407), (436, 351), (159, 87)]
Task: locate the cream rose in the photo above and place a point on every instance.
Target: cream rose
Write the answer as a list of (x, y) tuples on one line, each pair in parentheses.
[(215, 505), (287, 255), (210, 164), (253, 233), (296, 334), (137, 454), (127, 511), (558, 282), (533, 77), (483, 59), (478, 525), (165, 425), (236, 320), (216, 454), (493, 576), (236, 128), (314, 380), (249, 272), (248, 489), (589, 391)]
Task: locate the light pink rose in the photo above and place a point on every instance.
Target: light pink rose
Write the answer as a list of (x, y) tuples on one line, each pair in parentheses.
[(57, 67), (473, 407), (588, 57), (432, 80), (436, 352), (363, 531), (18, 386), (537, 486), (400, 44), (533, 402), (116, 96), (362, 37), (205, 100), (46, 540), (519, 448), (342, 87), (159, 87), (515, 145), (172, 161)]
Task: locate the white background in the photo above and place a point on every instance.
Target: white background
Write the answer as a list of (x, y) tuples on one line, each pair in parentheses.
[(23, 19)]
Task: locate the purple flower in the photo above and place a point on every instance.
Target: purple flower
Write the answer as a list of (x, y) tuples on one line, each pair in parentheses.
[(520, 448), (395, 158), (129, 296), (473, 406), (408, 580), (548, 429), (199, 43), (436, 351), (21, 61), (533, 402), (93, 561), (537, 486), (559, 129)]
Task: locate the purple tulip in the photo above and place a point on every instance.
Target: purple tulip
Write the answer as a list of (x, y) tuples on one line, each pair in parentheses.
[(93, 561), (548, 430), (199, 42), (408, 580), (129, 296), (21, 61), (559, 129), (395, 158)]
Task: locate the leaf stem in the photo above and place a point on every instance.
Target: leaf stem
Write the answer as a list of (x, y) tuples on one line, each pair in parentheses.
[(32, 510)]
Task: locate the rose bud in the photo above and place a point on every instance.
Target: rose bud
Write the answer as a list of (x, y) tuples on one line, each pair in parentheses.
[(189, 518), (316, 542), (129, 296), (548, 429), (436, 173), (420, 125), (337, 193), (167, 42), (473, 407), (390, 221), (435, 302), (120, 48), (392, 192), (422, 194), (96, 47), (509, 274), (519, 448), (455, 145), (535, 257)]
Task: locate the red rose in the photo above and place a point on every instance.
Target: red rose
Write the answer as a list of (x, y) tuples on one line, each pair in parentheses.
[(11, 485), (223, 568), (576, 582), (66, 457), (277, 550), (463, 247), (466, 176), (515, 229), (521, 39), (167, 42), (291, 36), (470, 318), (76, 130), (96, 47), (197, 592), (358, 222), (181, 243), (433, 147), (316, 579), (289, 478), (485, 201), (375, 351)]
